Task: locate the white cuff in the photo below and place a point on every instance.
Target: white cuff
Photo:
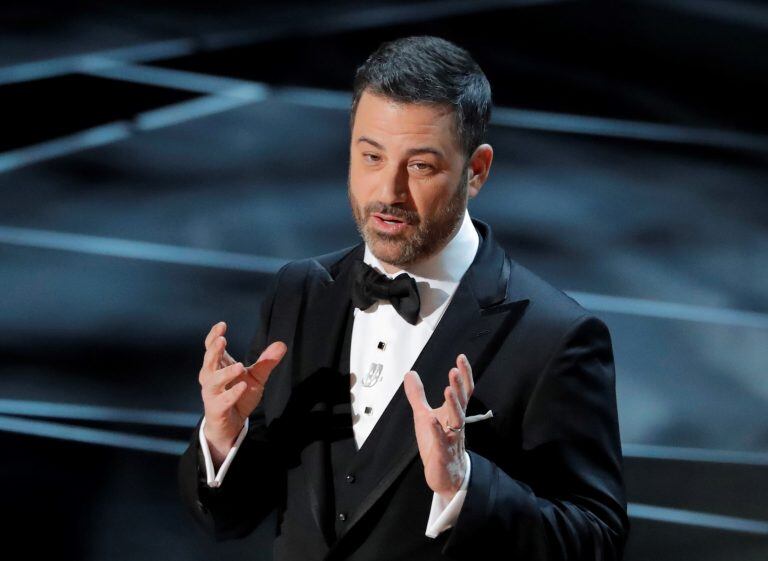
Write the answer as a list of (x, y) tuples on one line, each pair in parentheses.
[(215, 479), (443, 514)]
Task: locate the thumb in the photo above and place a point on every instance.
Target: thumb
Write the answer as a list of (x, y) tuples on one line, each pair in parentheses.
[(414, 390), (268, 359)]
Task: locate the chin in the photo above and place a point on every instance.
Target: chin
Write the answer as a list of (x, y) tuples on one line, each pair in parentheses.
[(386, 251)]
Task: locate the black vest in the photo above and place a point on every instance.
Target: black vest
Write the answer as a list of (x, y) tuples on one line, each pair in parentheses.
[(343, 448), (394, 527)]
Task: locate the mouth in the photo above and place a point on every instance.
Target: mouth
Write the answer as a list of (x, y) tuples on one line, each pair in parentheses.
[(387, 223), (388, 218)]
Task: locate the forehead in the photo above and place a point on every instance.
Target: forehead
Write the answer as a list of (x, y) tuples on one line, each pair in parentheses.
[(393, 123)]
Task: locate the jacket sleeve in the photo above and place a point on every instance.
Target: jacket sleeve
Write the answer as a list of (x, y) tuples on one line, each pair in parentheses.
[(568, 499), (255, 479)]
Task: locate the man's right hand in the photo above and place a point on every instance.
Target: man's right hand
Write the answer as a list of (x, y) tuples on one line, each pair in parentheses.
[(230, 390)]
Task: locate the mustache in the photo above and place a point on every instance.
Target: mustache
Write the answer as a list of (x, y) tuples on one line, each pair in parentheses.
[(411, 217)]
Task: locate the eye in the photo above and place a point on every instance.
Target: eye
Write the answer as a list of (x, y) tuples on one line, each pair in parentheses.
[(423, 166), (369, 157)]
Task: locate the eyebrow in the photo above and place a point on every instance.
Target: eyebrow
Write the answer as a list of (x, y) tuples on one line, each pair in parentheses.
[(410, 152)]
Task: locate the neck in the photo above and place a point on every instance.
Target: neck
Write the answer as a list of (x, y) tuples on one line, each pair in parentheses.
[(388, 267)]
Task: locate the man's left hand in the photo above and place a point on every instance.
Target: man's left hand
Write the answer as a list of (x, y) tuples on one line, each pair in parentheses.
[(442, 449)]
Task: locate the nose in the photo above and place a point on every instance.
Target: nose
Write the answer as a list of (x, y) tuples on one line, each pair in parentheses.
[(393, 187)]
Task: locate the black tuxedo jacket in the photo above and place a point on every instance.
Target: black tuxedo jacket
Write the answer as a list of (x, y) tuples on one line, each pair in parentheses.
[(546, 480)]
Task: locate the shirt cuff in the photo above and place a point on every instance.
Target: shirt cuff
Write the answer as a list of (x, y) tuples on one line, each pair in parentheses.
[(214, 479), (443, 514)]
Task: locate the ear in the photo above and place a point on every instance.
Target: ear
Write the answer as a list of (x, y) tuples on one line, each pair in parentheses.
[(479, 168)]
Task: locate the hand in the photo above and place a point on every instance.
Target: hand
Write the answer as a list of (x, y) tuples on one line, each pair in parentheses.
[(441, 449), (230, 390)]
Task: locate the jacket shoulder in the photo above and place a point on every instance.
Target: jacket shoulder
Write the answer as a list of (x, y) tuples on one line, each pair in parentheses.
[(552, 321), (330, 261), (549, 305), (326, 265)]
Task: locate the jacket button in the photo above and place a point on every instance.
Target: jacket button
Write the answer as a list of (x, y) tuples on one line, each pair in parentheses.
[(342, 516), (350, 478)]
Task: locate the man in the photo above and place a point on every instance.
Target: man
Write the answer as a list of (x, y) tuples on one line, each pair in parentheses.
[(333, 426)]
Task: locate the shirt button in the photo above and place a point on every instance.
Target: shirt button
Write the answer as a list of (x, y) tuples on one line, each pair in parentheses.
[(350, 478), (342, 516)]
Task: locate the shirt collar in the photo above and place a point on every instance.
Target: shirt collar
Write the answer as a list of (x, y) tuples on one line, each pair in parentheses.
[(438, 276)]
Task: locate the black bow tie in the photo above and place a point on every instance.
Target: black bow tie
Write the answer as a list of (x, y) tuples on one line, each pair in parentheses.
[(368, 285)]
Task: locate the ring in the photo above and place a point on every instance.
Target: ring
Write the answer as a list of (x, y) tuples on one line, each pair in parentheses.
[(461, 428)]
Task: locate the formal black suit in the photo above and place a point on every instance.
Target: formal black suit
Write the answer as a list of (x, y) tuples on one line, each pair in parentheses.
[(546, 479)]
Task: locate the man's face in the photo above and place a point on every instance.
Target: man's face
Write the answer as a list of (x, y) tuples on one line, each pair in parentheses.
[(407, 180)]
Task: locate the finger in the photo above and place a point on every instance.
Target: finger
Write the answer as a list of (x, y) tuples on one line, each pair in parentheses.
[(211, 361), (230, 397), (213, 355), (457, 383), (226, 360), (224, 376), (466, 373), (414, 391), (268, 359), (455, 412), (218, 329)]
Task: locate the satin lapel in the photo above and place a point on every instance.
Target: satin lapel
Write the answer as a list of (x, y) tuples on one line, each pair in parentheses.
[(322, 327), (478, 317)]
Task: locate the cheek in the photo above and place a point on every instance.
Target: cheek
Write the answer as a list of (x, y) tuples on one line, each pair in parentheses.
[(363, 185), (428, 198), (356, 184)]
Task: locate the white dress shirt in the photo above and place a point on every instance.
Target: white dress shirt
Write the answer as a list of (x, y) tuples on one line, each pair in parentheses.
[(384, 347)]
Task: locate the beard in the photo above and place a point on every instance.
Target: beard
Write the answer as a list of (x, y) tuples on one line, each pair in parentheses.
[(427, 236)]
